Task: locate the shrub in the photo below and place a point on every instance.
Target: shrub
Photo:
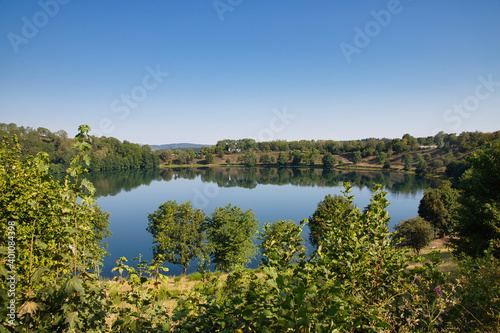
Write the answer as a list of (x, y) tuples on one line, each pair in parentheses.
[(477, 305), (195, 276)]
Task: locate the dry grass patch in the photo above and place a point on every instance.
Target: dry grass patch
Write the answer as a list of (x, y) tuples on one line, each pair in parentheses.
[(172, 287), (448, 264)]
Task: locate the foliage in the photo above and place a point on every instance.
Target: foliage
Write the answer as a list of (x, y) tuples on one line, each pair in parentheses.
[(282, 159), (429, 297), (209, 158), (407, 160), (439, 207), (478, 222), (382, 156), (356, 157), (456, 169), (477, 307), (249, 158), (422, 168), (229, 233), (329, 160), (351, 288), (297, 157), (359, 282), (464, 142), (282, 241), (387, 164), (178, 232), (138, 302), (332, 208), (265, 159), (435, 165), (111, 154), (106, 153), (415, 233), (56, 231)]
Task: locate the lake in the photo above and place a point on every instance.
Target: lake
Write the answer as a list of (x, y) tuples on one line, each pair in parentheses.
[(272, 194)]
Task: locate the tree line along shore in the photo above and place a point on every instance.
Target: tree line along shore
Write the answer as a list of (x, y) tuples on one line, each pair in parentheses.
[(441, 154)]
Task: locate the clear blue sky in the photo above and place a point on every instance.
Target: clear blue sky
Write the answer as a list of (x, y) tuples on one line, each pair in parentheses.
[(336, 69)]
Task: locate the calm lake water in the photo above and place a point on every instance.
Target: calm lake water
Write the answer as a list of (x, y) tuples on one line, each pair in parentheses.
[(272, 194)]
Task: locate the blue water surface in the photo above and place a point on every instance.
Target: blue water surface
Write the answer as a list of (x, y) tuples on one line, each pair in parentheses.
[(130, 196)]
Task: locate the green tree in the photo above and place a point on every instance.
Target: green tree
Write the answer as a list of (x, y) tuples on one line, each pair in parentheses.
[(354, 283), (220, 152), (329, 161), (418, 159), (331, 209), (456, 169), (209, 158), (228, 160), (178, 232), (265, 159), (439, 207), (55, 230), (381, 158), (478, 218), (229, 233), (191, 155), (249, 159), (410, 142), (408, 161), (436, 164), (398, 146), (415, 233), (356, 157), (165, 155), (282, 159), (62, 133), (182, 157), (296, 157), (311, 156), (422, 168)]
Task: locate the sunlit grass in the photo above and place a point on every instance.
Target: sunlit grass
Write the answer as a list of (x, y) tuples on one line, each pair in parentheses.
[(448, 264)]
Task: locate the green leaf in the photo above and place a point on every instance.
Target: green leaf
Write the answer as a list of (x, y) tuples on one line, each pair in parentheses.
[(332, 311), (248, 314), (40, 244), (72, 319), (39, 272), (267, 313), (74, 285)]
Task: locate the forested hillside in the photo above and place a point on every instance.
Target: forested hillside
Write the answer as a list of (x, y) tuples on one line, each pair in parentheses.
[(439, 154), (107, 153)]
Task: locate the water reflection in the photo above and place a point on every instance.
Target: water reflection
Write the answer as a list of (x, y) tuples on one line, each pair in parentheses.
[(112, 183), (272, 193)]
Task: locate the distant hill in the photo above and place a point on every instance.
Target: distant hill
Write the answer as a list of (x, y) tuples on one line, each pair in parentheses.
[(177, 146)]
